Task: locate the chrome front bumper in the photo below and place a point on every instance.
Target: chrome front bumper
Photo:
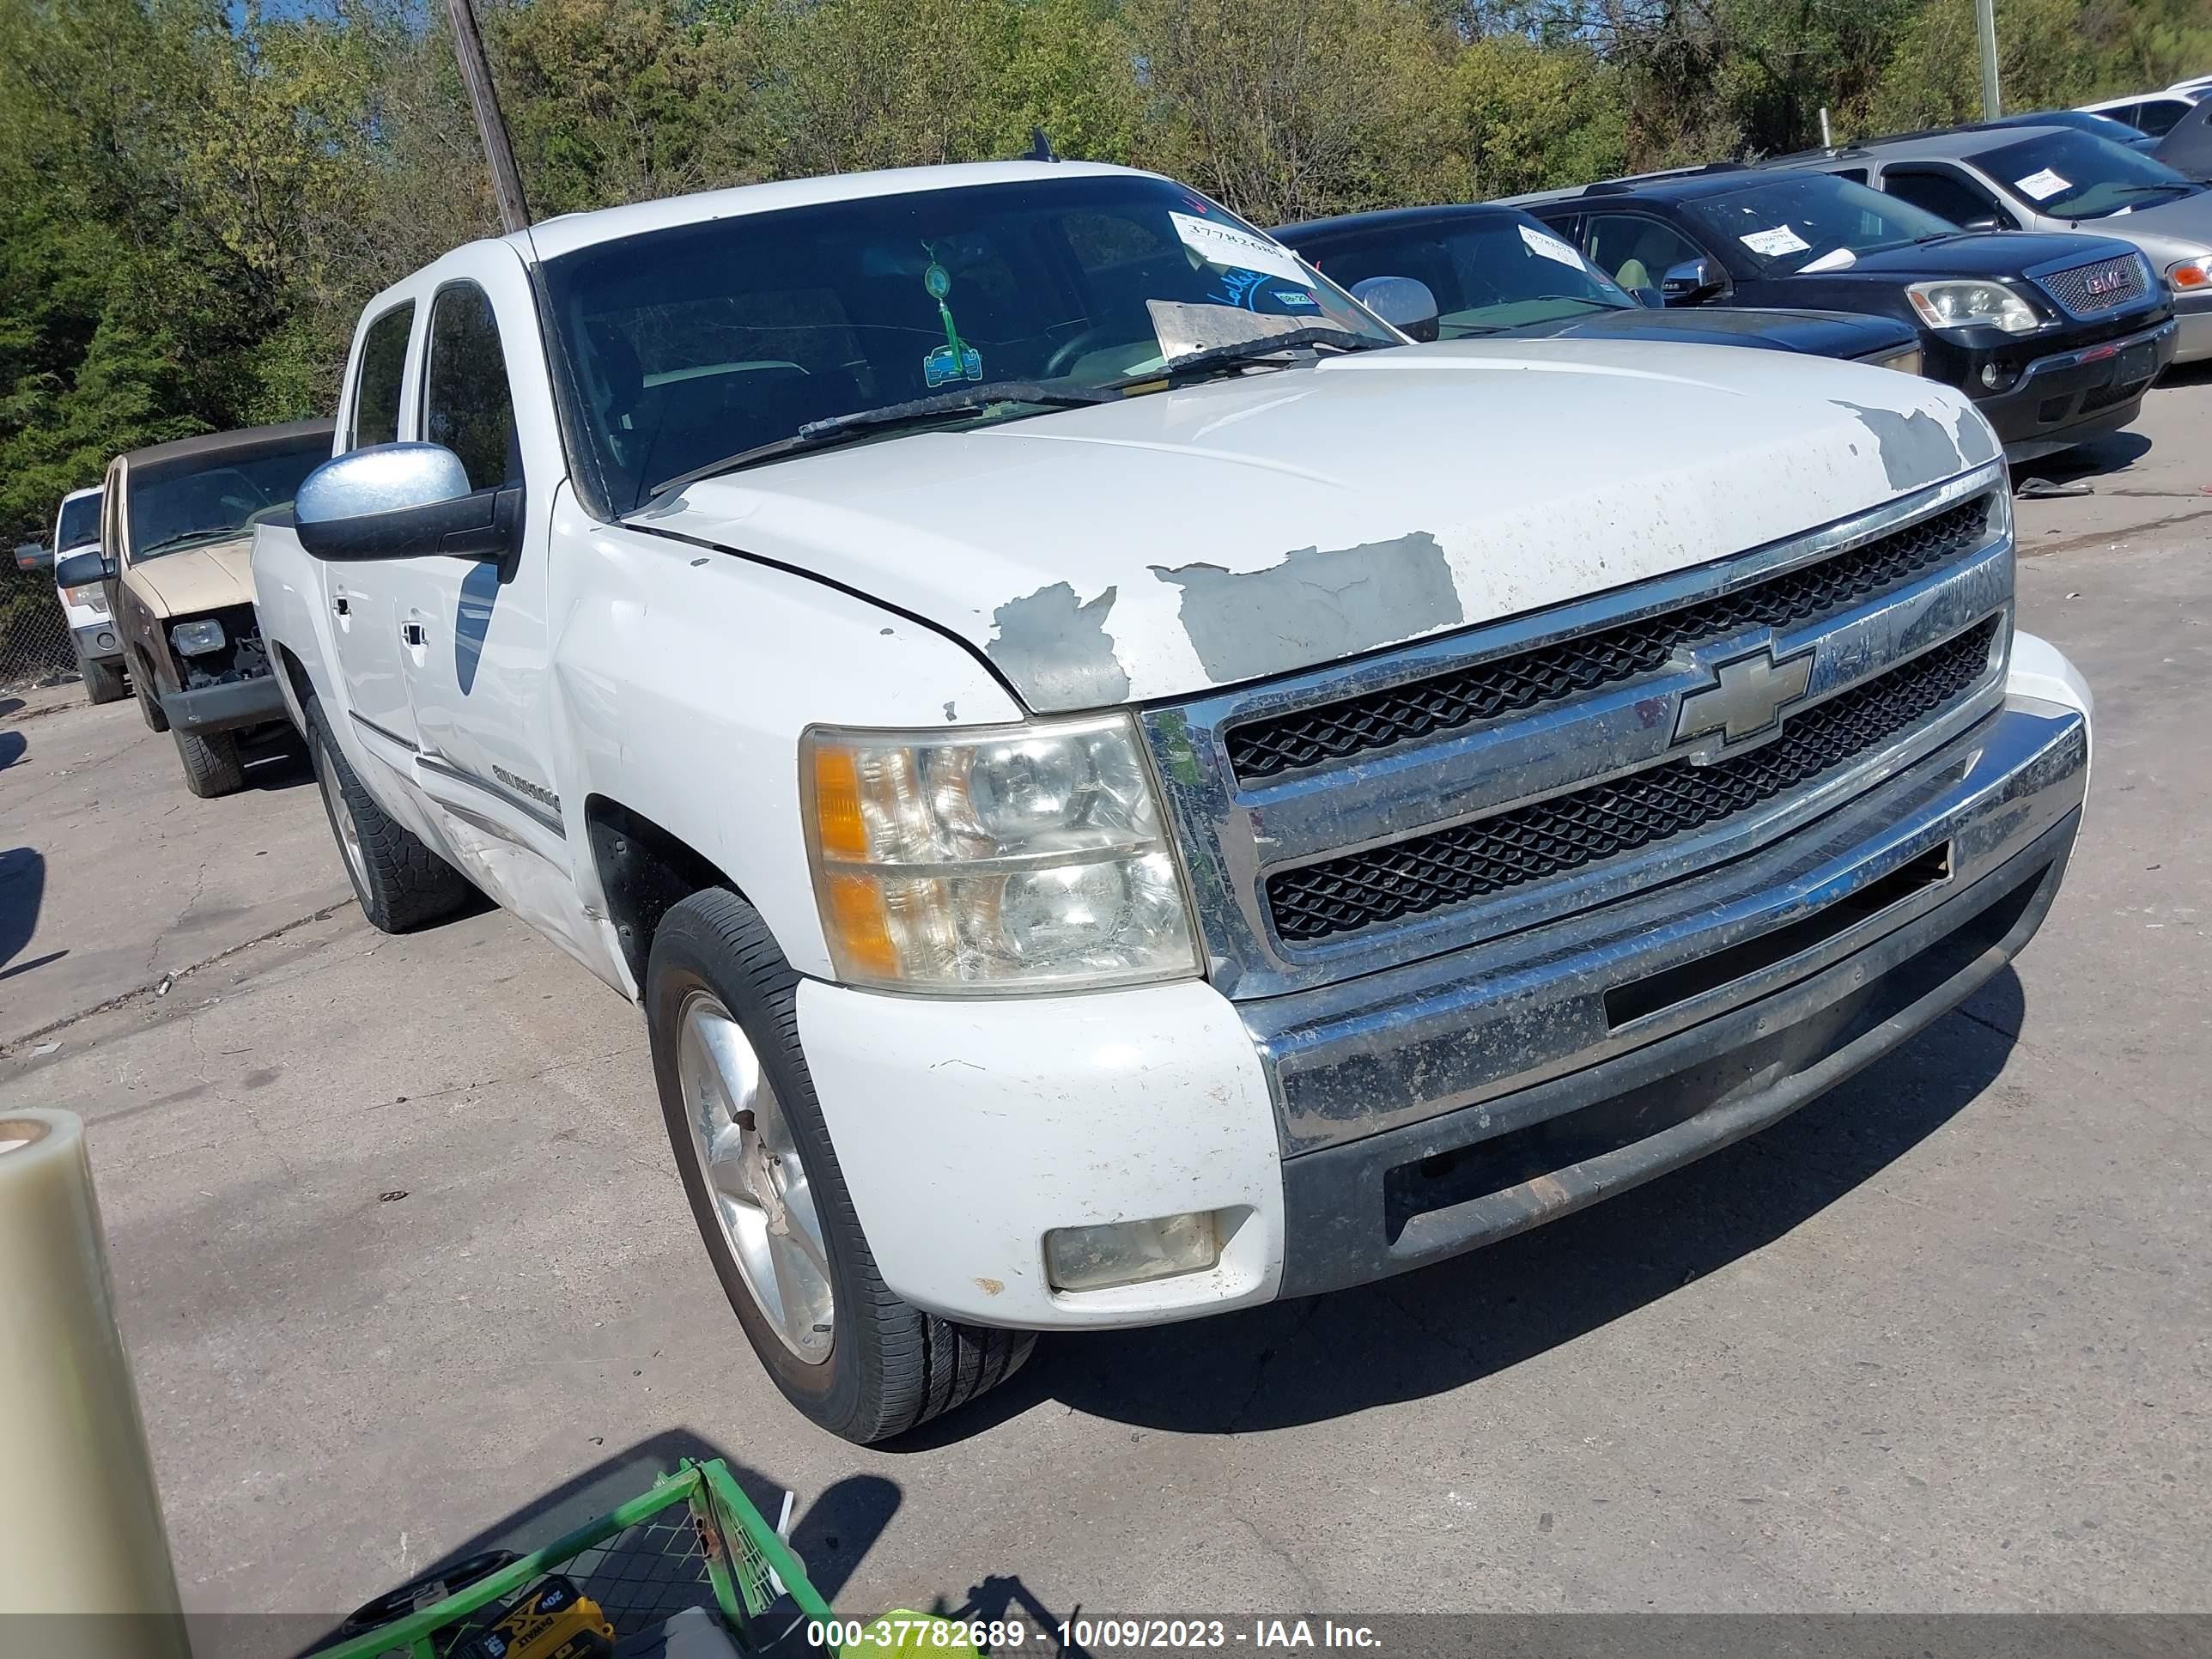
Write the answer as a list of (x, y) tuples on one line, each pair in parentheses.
[(1431, 1108)]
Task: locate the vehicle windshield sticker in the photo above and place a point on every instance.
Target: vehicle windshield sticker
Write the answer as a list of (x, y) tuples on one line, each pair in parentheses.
[(1836, 258), (1296, 298), (2041, 186), (1225, 245), (1550, 247), (1775, 243), (956, 360)]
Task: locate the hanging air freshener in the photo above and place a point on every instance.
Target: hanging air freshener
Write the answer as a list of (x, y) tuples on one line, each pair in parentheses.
[(956, 360)]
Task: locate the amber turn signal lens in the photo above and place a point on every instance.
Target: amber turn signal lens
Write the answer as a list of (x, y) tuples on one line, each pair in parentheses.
[(842, 831), (859, 927)]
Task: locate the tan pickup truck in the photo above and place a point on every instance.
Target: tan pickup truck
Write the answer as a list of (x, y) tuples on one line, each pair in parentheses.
[(176, 538)]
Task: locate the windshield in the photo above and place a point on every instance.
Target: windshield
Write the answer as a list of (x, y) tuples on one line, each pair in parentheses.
[(1810, 221), (703, 342), (79, 526), (2074, 175), (1487, 274), (183, 504)]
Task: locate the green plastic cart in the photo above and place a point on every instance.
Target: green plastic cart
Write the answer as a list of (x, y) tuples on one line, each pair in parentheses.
[(694, 1540)]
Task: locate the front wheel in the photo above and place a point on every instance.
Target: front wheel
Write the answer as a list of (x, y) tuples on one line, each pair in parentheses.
[(212, 766), (721, 1006), (103, 682), (149, 702)]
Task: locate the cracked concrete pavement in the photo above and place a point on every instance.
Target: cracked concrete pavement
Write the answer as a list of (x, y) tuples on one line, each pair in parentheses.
[(404, 1268), (112, 875)]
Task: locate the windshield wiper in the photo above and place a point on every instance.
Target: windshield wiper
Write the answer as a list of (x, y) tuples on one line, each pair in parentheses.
[(1236, 354), (941, 406), (2185, 188), (190, 538)]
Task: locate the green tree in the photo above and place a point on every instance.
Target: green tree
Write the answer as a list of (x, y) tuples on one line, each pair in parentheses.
[(1289, 113)]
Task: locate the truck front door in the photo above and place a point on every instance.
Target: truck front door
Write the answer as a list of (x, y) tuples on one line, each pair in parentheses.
[(474, 642)]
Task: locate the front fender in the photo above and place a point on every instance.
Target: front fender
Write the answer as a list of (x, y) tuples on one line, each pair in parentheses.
[(684, 679)]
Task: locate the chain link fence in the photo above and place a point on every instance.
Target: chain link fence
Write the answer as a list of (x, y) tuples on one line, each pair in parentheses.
[(35, 648)]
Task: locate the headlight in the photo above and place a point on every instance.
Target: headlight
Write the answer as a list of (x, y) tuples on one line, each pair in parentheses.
[(1904, 363), (1009, 858), (197, 639), (91, 594), (1972, 305), (2191, 276)]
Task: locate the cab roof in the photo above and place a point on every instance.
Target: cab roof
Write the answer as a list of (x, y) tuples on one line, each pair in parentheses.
[(552, 238), (1941, 144), (1403, 218), (1676, 184), (248, 441)]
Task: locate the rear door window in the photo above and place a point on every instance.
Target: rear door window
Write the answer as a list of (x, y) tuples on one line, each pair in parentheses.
[(467, 405), (376, 391)]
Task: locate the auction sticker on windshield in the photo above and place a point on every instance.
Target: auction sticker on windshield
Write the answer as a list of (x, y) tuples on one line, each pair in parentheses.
[(1550, 247), (1773, 244), (1225, 245), (2041, 186)]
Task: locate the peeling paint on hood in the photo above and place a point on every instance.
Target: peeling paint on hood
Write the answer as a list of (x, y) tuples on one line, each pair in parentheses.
[(1177, 542)]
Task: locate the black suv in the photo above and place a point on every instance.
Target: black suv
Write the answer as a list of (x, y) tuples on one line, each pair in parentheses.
[(1494, 271), (2047, 372)]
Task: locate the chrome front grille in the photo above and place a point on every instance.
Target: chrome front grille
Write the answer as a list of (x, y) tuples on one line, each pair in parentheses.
[(1506, 685), (1358, 818), (1381, 884), (2101, 286)]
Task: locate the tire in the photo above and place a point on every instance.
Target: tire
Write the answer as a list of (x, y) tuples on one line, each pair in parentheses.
[(103, 682), (212, 766), (149, 705), (888, 1366), (401, 883)]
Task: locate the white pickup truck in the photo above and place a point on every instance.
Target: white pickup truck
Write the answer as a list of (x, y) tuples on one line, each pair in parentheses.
[(1123, 789)]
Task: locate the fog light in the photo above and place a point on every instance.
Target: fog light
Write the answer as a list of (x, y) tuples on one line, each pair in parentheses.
[(1996, 376), (1131, 1252)]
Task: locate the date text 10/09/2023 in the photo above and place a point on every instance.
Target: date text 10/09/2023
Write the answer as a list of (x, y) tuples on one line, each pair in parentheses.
[(896, 1633)]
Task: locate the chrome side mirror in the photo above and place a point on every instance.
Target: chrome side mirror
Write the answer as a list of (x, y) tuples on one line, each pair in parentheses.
[(404, 501), (1401, 301), (1689, 282)]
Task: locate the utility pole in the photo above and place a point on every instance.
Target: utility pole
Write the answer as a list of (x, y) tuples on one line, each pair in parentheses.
[(491, 125), (1985, 24)]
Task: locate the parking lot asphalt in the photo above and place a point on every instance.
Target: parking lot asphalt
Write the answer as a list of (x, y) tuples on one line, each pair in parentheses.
[(404, 1268)]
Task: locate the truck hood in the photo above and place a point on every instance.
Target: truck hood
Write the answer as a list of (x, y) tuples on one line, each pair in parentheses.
[(1170, 543), (2189, 218), (197, 579), (1978, 253), (1819, 333)]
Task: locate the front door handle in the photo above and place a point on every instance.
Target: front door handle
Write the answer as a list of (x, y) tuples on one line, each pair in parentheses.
[(340, 607), (410, 633)]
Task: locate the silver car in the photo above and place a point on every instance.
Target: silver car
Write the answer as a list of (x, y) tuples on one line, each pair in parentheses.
[(2052, 178)]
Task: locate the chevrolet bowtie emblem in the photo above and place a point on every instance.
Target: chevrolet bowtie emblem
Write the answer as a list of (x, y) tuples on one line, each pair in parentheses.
[(1747, 697)]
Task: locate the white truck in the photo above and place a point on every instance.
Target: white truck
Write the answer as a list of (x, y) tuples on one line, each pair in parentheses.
[(1123, 789), (92, 633)]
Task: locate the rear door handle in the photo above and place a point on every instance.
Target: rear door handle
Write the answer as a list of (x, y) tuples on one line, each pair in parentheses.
[(411, 633), (340, 607)]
